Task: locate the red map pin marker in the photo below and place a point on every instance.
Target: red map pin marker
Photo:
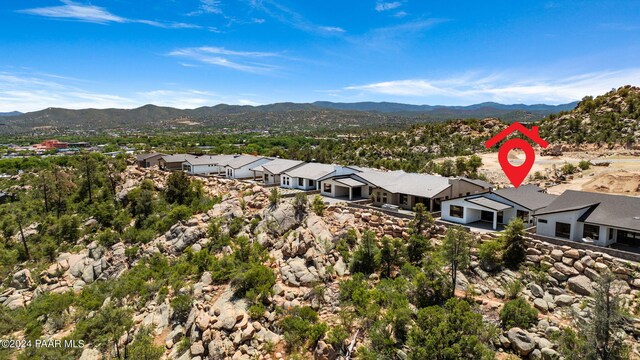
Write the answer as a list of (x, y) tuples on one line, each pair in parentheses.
[(516, 174)]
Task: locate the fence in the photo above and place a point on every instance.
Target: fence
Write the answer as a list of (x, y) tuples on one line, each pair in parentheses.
[(384, 211), (621, 254)]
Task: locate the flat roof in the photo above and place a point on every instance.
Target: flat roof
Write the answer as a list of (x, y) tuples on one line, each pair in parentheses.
[(400, 182), (313, 171), (350, 182), (528, 196), (278, 166), (488, 203)]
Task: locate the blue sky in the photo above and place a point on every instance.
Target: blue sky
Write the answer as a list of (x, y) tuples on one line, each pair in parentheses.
[(190, 53)]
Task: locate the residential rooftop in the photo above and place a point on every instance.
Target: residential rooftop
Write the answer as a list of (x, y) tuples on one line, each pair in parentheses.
[(603, 209)]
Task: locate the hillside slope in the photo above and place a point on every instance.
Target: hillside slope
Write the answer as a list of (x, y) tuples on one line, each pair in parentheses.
[(610, 119)]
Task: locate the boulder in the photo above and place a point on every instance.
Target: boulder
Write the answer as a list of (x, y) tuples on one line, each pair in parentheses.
[(340, 267), (565, 269), (280, 219), (580, 285), (319, 229), (521, 341), (536, 290), (197, 348), (549, 354), (22, 279), (541, 305), (324, 351), (90, 354), (563, 300), (296, 273)]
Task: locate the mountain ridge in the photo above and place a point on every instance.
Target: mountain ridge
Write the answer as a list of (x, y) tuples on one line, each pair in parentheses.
[(287, 115)]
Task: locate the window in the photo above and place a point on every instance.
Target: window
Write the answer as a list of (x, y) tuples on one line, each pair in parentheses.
[(563, 230), (591, 231), (300, 182), (456, 211), (312, 183), (404, 199), (542, 221), (384, 197), (524, 215), (326, 187), (378, 199), (370, 191), (610, 234)]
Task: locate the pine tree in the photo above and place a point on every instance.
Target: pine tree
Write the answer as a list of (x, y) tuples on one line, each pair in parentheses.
[(456, 249)]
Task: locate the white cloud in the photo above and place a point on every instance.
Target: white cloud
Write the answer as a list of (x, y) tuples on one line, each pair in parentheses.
[(384, 6), (221, 57), (30, 92), (248, 102), (95, 14), (292, 18), (504, 87), (207, 7)]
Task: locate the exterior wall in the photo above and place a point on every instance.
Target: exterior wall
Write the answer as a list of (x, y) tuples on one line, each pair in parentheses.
[(294, 183), (569, 217), (471, 212), (171, 166), (512, 213), (392, 198), (463, 188), (206, 169), (149, 162), (244, 171)]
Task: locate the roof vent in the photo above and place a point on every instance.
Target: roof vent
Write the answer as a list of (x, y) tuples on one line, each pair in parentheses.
[(636, 217)]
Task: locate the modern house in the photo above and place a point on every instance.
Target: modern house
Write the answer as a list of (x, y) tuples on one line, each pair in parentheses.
[(602, 219), (240, 166), (173, 162), (148, 160), (399, 188), (305, 177), (207, 164), (497, 207), (270, 172)]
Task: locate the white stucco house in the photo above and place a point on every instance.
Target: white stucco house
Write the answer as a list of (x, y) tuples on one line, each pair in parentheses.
[(305, 177), (497, 207), (269, 173), (206, 164), (240, 166), (601, 219)]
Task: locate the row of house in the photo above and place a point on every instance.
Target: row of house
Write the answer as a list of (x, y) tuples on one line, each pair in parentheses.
[(391, 188), (601, 219)]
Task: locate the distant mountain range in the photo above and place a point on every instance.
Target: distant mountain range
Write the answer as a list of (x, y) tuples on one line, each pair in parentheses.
[(12, 113), (286, 116), (398, 107)]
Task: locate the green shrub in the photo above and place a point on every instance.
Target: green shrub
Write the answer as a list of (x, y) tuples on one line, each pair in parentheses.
[(518, 313), (568, 169), (365, 258), (254, 282), (584, 164), (452, 331), (143, 347), (513, 288), (337, 336), (181, 306), (301, 326), (318, 205), (256, 311), (274, 196), (490, 254)]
